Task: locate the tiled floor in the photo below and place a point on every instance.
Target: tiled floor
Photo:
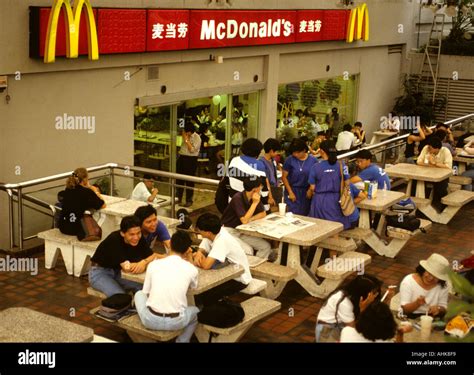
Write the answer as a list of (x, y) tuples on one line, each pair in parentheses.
[(54, 292)]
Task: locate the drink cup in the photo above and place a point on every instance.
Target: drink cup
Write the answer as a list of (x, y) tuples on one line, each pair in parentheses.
[(366, 186), (425, 323), (282, 208)]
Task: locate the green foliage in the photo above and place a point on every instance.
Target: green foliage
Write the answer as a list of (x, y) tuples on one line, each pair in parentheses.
[(288, 93), (309, 94), (330, 91), (104, 185)]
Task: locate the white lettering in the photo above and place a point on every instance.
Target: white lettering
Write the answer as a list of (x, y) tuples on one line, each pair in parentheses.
[(262, 32), (288, 28), (67, 122), (10, 264), (208, 30), (243, 30), (37, 358), (220, 31), (232, 29)]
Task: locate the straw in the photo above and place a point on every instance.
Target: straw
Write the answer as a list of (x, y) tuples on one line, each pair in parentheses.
[(283, 195)]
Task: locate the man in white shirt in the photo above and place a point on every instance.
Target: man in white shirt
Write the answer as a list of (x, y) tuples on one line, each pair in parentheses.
[(434, 155), (145, 191), (220, 246), (162, 304), (346, 139)]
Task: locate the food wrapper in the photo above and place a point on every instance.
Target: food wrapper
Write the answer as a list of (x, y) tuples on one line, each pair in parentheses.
[(460, 325)]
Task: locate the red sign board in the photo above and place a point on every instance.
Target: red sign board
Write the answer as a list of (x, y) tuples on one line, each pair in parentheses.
[(167, 30), (150, 30)]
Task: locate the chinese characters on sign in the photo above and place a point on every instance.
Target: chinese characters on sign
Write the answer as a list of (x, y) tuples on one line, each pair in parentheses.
[(169, 31), (313, 26)]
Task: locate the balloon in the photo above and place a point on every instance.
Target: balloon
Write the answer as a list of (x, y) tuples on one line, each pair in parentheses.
[(216, 99)]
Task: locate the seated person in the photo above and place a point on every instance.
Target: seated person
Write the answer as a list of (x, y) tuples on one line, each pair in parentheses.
[(219, 245), (369, 171), (441, 134), (375, 324), (434, 155), (122, 250), (360, 134), (162, 304), (152, 228), (469, 150), (245, 207), (426, 290), (346, 139), (58, 205), (357, 196), (145, 191)]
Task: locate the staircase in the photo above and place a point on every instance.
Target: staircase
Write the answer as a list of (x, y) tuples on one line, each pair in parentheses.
[(428, 79)]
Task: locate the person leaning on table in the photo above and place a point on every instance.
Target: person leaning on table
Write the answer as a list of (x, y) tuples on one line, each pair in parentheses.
[(426, 290), (145, 191), (436, 156), (122, 250)]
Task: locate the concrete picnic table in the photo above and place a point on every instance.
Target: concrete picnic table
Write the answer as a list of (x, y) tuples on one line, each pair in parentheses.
[(108, 199), (462, 160), (111, 215), (380, 135), (21, 324), (418, 173), (309, 236), (384, 200)]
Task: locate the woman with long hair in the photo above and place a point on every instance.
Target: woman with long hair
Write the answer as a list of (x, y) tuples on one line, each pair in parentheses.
[(295, 177), (78, 197), (325, 186), (344, 306)]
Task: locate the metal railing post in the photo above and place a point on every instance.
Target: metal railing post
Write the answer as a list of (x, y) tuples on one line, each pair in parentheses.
[(173, 194), (112, 181), (20, 219), (11, 231)]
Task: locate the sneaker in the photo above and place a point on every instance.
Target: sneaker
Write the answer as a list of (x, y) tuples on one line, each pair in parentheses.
[(273, 256)]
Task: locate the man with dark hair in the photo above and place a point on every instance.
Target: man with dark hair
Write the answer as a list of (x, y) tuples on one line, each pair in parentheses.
[(187, 162), (360, 134), (369, 171), (449, 133), (245, 207), (152, 228), (346, 139), (272, 148), (436, 156), (122, 250), (145, 191), (219, 245), (162, 304)]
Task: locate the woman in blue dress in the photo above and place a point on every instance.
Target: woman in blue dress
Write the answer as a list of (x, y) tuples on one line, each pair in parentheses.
[(325, 186), (295, 177)]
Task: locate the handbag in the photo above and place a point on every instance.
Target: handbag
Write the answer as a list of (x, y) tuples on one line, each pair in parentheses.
[(222, 314), (346, 202), (91, 231)]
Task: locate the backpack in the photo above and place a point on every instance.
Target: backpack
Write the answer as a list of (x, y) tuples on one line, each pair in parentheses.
[(404, 221), (221, 314), (221, 199), (115, 307)]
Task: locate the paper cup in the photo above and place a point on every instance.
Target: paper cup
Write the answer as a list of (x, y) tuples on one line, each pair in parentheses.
[(282, 208), (425, 323)]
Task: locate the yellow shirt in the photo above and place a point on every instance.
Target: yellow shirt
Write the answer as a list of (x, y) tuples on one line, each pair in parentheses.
[(444, 157)]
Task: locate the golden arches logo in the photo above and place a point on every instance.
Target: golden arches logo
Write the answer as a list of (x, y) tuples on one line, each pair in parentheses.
[(358, 22), (72, 17)]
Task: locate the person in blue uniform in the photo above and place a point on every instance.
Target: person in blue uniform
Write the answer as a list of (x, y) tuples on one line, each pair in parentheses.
[(295, 177), (325, 186)]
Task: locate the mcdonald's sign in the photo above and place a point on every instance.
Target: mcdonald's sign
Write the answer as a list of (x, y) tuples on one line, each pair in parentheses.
[(72, 21), (358, 24)]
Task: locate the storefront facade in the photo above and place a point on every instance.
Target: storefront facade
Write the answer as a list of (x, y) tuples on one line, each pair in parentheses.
[(44, 110)]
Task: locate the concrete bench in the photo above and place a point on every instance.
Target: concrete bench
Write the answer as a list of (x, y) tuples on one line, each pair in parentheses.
[(255, 308), (138, 333), (453, 187), (421, 202), (339, 244), (404, 234), (54, 243), (275, 276), (255, 286), (83, 252), (339, 268), (454, 201), (460, 180), (356, 233)]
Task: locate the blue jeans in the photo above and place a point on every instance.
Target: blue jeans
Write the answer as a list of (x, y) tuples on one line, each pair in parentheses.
[(332, 332), (187, 319), (110, 282)]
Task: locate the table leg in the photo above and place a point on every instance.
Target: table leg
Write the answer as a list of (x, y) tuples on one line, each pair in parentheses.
[(364, 219), (461, 168), (381, 225), (409, 185), (420, 189)]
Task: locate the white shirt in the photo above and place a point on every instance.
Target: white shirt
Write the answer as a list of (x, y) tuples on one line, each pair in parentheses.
[(345, 140), (225, 246), (345, 312), (443, 157), (167, 282), (195, 141), (410, 290), (350, 334), (140, 193)]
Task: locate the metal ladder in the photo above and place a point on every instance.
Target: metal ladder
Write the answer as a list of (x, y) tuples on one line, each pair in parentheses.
[(428, 78)]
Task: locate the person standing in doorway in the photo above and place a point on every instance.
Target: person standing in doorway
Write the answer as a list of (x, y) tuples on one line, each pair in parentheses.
[(187, 162)]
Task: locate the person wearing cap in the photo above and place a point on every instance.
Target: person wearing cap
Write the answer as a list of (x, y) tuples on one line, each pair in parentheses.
[(369, 171), (145, 191), (425, 291)]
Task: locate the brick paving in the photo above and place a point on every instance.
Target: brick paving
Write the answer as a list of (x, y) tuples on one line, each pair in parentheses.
[(56, 293)]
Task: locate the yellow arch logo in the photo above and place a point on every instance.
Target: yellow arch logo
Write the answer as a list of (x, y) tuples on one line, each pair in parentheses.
[(358, 21), (72, 17)]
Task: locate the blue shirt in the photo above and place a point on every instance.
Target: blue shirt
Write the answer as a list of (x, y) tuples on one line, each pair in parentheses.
[(374, 173), (270, 170), (161, 233), (355, 193)]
